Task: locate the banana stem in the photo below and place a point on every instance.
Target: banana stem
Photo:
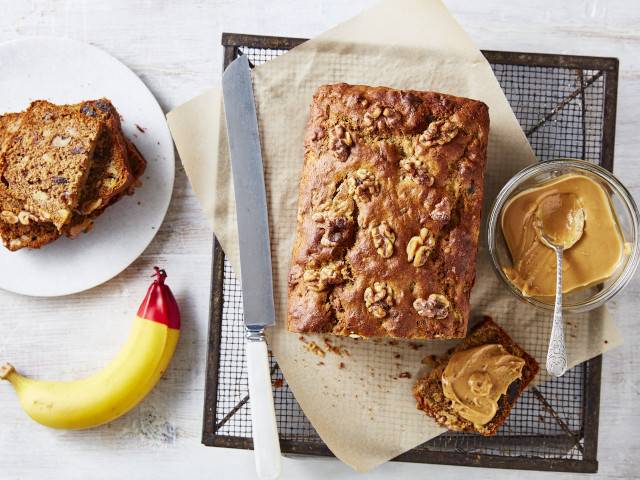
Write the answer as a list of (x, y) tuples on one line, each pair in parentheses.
[(6, 370)]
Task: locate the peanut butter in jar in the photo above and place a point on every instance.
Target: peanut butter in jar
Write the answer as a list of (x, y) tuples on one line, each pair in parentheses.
[(591, 260)]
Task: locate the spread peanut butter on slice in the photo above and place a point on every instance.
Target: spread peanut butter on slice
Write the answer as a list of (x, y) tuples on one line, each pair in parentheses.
[(561, 204), (475, 379)]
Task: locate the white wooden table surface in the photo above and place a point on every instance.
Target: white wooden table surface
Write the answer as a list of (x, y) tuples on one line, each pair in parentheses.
[(175, 48)]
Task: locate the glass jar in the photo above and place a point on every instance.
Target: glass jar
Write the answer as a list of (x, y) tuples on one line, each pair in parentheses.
[(582, 299)]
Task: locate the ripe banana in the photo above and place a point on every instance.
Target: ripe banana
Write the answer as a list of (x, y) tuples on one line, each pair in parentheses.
[(121, 385)]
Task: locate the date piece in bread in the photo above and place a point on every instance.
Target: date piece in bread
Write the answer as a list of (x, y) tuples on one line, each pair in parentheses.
[(429, 392), (389, 211), (45, 164)]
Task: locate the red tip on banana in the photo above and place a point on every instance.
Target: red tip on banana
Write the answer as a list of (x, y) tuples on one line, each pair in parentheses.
[(159, 305)]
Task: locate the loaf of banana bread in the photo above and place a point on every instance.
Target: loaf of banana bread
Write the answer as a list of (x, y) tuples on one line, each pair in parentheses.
[(389, 210)]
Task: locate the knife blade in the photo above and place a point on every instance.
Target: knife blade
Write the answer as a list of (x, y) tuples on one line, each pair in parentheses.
[(255, 257)]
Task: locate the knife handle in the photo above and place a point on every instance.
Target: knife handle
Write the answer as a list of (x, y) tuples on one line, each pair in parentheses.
[(266, 444)]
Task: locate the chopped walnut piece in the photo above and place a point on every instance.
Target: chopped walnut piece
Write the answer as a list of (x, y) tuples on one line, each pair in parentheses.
[(378, 117), (340, 142), (9, 217), (378, 299), (15, 243), (362, 185), (25, 217), (436, 306), (442, 211), (417, 170), (335, 232), (419, 247), (383, 238), (320, 279), (439, 132)]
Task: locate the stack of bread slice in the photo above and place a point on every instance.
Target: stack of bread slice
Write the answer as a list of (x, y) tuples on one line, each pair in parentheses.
[(61, 166)]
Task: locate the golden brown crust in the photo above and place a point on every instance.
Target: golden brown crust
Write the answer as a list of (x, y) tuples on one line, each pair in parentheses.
[(388, 213), (9, 124), (430, 397), (110, 173)]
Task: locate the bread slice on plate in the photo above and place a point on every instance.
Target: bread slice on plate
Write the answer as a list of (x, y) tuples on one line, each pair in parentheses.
[(110, 173), (431, 398), (116, 168), (45, 164)]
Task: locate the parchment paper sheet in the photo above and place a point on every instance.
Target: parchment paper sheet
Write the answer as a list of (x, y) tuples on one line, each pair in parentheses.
[(364, 409)]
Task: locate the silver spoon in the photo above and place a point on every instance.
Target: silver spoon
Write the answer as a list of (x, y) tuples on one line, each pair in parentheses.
[(560, 224)]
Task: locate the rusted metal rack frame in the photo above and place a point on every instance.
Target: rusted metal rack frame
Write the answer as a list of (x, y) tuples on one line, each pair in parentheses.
[(607, 67)]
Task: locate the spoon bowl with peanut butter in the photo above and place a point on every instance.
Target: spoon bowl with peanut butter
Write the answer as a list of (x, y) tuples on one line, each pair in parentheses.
[(559, 225)]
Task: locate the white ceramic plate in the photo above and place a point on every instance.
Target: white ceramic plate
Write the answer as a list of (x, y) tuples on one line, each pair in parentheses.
[(67, 71)]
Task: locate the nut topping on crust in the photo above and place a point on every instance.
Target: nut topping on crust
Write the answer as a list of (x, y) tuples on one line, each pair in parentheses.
[(383, 238), (330, 274), (340, 142), (334, 233), (439, 132), (362, 185), (419, 247), (379, 118), (417, 170), (442, 211), (378, 299), (436, 306)]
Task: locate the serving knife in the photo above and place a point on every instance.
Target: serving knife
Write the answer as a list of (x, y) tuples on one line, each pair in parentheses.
[(255, 258)]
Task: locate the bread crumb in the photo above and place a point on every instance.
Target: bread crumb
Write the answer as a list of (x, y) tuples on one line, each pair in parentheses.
[(404, 375), (337, 349), (314, 348), (341, 365), (415, 346), (278, 383), (397, 355), (429, 360), (140, 129)]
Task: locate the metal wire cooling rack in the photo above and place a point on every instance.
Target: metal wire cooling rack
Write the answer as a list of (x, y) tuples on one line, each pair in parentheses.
[(566, 105)]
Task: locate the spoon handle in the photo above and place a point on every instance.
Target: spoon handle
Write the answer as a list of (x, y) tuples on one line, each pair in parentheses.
[(557, 353)]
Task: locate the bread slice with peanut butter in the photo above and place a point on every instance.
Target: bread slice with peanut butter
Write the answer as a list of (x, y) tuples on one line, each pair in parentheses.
[(459, 394), (46, 162)]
